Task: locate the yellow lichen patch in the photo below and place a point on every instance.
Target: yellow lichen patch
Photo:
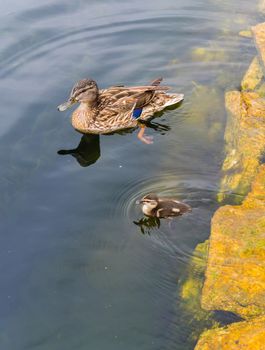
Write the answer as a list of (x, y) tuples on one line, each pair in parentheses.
[(259, 36), (261, 90), (245, 33), (235, 274), (242, 335), (245, 141), (253, 76)]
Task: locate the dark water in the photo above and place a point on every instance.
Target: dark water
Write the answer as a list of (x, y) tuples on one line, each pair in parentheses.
[(76, 271)]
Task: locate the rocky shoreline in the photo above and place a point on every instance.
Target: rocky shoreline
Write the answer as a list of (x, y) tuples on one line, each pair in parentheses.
[(235, 267)]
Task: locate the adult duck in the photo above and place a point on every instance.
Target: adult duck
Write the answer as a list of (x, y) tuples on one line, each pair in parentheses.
[(103, 111)]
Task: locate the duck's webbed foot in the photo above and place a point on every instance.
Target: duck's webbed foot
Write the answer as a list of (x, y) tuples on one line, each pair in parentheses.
[(144, 138)]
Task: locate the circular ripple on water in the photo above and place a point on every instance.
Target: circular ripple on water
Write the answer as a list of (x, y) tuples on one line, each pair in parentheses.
[(184, 188), (175, 236)]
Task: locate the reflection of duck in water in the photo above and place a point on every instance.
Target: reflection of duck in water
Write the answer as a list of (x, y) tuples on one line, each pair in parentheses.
[(87, 152), (147, 224), (118, 107), (154, 206)]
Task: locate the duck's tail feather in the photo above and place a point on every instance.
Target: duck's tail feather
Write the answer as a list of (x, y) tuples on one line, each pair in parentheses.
[(173, 99), (156, 82)]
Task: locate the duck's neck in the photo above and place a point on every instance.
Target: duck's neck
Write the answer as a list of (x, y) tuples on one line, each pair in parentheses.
[(87, 110), (84, 114), (88, 105)]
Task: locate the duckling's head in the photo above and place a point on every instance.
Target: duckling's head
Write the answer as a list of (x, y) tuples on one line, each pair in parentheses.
[(85, 90), (149, 202)]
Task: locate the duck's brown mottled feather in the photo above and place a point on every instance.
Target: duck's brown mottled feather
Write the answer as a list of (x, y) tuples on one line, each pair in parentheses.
[(114, 108)]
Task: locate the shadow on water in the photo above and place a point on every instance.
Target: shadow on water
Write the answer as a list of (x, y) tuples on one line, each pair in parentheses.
[(88, 150)]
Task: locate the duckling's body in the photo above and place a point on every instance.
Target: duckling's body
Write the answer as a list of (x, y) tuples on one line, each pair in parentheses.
[(116, 108), (163, 207)]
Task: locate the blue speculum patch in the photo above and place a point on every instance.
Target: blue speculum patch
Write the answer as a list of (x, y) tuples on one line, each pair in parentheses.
[(137, 112)]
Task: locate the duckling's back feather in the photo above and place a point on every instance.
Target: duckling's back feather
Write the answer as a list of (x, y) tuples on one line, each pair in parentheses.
[(169, 207)]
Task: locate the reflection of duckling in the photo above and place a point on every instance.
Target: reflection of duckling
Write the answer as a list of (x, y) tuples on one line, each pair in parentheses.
[(87, 152), (147, 224), (162, 207)]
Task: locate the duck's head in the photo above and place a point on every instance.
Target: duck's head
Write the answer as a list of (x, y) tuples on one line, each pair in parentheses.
[(151, 200), (85, 90)]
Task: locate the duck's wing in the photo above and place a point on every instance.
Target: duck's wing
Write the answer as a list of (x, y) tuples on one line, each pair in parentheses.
[(142, 95)]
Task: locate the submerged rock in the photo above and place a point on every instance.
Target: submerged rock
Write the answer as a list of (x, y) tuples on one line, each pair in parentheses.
[(206, 111), (209, 54), (245, 142), (235, 274), (245, 33), (241, 335), (253, 76), (190, 293)]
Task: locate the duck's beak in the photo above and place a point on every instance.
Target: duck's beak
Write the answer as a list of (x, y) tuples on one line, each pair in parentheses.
[(64, 106)]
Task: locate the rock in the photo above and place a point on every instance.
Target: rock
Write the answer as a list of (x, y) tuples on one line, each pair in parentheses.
[(245, 33), (245, 142), (261, 90), (242, 335), (190, 294), (235, 274), (253, 76), (259, 37)]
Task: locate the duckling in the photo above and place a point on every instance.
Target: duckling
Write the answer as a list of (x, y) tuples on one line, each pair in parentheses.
[(154, 206), (118, 107)]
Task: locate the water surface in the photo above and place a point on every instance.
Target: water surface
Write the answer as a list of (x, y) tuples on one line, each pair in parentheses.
[(76, 271)]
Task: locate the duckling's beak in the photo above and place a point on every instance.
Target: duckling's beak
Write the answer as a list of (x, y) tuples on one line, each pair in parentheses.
[(64, 106), (141, 201)]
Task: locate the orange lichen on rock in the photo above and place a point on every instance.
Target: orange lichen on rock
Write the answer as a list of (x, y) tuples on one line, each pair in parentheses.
[(235, 274), (241, 335), (245, 141)]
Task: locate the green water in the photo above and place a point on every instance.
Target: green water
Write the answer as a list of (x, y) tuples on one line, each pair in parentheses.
[(77, 272)]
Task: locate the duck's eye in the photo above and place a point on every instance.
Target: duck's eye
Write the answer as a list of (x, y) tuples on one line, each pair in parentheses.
[(78, 92)]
